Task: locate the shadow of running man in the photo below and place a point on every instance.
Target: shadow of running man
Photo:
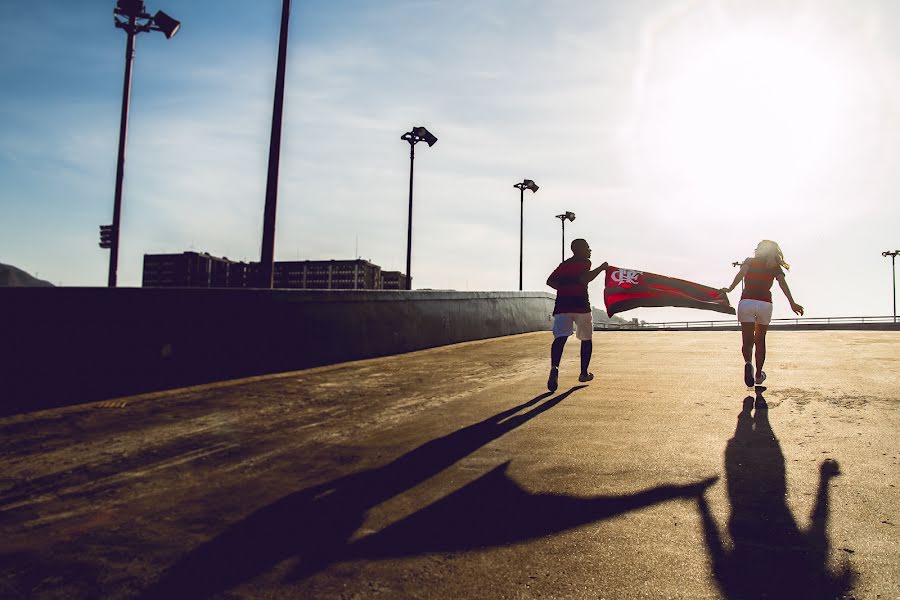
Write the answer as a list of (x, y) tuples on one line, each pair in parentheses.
[(314, 524), (771, 557), (312, 527)]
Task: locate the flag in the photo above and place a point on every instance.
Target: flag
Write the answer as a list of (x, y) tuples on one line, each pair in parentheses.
[(628, 288)]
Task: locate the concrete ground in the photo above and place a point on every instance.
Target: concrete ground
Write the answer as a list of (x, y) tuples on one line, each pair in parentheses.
[(451, 473)]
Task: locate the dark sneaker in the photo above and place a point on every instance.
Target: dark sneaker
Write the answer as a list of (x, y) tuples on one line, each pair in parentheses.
[(585, 377), (760, 378), (748, 375), (552, 382)]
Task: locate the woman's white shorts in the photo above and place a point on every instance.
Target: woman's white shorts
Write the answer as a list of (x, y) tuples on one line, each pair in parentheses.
[(754, 311), (583, 325)]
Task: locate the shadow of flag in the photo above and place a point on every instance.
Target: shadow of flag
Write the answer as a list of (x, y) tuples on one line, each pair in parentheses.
[(629, 288)]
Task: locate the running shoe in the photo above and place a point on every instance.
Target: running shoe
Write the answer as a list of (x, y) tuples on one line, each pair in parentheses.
[(760, 378), (585, 377), (748, 374), (552, 382)]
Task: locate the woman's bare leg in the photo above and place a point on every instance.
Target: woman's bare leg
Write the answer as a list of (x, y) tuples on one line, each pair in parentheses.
[(759, 340)]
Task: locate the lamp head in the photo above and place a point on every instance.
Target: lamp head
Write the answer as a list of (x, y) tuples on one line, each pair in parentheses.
[(166, 24), (530, 185), (425, 135), (129, 8)]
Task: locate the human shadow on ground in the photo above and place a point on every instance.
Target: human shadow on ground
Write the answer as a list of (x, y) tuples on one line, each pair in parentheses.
[(314, 524), (495, 511), (770, 557), (312, 527)]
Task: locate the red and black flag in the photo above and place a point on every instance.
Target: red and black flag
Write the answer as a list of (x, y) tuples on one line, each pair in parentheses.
[(628, 288)]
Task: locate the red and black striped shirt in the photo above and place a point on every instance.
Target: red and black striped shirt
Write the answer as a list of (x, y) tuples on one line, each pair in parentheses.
[(758, 279), (571, 293)]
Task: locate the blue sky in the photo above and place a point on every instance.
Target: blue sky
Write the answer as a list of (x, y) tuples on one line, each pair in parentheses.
[(679, 132)]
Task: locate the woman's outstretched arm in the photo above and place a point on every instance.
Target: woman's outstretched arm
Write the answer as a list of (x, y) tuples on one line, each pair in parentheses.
[(787, 294)]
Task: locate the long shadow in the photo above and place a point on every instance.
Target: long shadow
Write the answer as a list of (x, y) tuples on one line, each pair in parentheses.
[(495, 511), (314, 524), (770, 557)]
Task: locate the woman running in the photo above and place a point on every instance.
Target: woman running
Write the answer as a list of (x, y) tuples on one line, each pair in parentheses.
[(755, 308)]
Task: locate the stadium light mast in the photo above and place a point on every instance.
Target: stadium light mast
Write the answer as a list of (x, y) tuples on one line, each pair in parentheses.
[(130, 16), (566, 216), (738, 263), (414, 136), (267, 253), (526, 184), (893, 254)]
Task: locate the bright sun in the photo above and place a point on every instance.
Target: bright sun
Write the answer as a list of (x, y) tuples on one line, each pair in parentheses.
[(749, 113)]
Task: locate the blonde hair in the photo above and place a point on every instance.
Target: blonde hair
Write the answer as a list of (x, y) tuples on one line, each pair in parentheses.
[(771, 251)]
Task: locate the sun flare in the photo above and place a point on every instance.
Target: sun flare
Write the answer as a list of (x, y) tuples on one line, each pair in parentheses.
[(746, 113)]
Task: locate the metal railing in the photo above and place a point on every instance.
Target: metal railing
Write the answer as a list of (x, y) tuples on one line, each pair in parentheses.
[(733, 324)]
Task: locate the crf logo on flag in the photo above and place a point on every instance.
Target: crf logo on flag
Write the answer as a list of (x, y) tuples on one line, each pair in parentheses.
[(626, 276), (630, 288)]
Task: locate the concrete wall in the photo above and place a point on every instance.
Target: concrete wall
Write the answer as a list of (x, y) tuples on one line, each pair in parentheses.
[(64, 346)]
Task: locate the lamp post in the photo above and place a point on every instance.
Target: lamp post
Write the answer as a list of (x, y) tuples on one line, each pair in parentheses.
[(526, 184), (416, 135), (566, 216), (738, 263), (267, 253), (130, 16), (893, 254)]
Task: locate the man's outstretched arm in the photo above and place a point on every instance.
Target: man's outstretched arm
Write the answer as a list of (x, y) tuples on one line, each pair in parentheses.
[(589, 276)]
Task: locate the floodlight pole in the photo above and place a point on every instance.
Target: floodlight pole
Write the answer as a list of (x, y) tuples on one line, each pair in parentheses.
[(413, 136), (530, 185), (412, 157), (738, 264), (267, 254), (571, 217), (131, 11), (130, 30), (893, 255)]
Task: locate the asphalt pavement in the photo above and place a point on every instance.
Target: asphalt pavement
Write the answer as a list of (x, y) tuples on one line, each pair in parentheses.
[(453, 473)]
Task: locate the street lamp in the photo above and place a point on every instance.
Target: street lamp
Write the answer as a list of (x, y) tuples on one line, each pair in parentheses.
[(738, 263), (893, 255), (131, 16), (526, 184), (267, 252), (570, 216), (416, 135)]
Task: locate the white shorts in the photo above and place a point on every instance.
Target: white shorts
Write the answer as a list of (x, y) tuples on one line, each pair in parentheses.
[(583, 325), (754, 311)]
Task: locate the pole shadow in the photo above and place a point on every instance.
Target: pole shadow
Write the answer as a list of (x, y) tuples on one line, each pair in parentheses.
[(770, 556)]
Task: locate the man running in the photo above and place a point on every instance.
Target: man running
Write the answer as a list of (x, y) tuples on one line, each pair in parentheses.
[(570, 280)]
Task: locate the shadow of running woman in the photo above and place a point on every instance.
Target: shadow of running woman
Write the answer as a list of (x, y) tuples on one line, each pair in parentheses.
[(771, 557)]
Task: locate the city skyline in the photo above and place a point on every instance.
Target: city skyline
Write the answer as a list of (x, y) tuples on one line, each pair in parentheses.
[(681, 133)]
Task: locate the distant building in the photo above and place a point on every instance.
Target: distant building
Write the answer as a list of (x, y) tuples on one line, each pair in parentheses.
[(199, 269), (193, 269), (328, 275), (393, 280)]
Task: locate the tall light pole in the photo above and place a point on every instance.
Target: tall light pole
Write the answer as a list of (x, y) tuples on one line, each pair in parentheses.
[(130, 16), (893, 254), (566, 216), (738, 263), (526, 184), (416, 135), (267, 254)]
